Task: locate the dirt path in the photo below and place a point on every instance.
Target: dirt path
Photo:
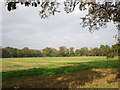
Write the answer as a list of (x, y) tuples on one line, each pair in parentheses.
[(19, 63), (84, 79), (70, 61)]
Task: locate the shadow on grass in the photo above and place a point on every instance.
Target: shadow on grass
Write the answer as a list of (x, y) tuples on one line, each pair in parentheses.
[(62, 70), (71, 80)]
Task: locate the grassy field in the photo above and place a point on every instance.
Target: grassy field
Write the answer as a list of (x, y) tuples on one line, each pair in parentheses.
[(14, 68)]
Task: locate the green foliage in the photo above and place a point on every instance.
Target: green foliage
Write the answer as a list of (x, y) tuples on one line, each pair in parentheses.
[(82, 52), (110, 55), (95, 52), (114, 51), (62, 51), (10, 52), (47, 51), (54, 52), (71, 51), (104, 50)]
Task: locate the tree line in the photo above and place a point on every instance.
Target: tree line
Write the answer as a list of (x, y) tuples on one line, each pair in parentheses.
[(103, 50)]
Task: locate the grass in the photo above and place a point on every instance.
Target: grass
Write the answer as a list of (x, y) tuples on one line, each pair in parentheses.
[(106, 85), (26, 63), (25, 66)]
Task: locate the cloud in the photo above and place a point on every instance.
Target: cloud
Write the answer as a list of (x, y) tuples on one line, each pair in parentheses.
[(24, 28)]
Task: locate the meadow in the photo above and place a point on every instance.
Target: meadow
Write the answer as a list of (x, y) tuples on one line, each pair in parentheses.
[(16, 69)]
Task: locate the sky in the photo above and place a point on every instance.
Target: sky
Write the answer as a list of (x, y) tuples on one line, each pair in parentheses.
[(23, 27)]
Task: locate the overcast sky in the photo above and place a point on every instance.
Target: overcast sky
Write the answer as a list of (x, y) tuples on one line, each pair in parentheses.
[(24, 28)]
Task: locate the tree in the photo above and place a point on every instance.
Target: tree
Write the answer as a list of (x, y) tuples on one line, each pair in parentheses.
[(71, 51), (47, 51), (77, 52), (110, 55), (115, 48), (20, 53), (95, 52), (54, 52), (9, 52), (36, 53), (104, 49), (0, 52), (26, 52), (5, 53), (62, 51), (114, 51), (99, 14), (84, 51), (47, 8)]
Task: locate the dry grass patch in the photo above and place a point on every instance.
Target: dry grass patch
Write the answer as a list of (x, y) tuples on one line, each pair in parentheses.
[(19, 63), (85, 79), (109, 76), (68, 65), (70, 61)]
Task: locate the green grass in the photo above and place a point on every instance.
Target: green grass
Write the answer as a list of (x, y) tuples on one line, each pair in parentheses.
[(53, 68), (9, 62)]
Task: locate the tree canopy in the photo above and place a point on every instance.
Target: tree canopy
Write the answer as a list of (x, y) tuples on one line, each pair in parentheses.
[(99, 14), (103, 50)]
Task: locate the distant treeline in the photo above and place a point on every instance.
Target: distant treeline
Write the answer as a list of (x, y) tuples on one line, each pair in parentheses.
[(103, 50)]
